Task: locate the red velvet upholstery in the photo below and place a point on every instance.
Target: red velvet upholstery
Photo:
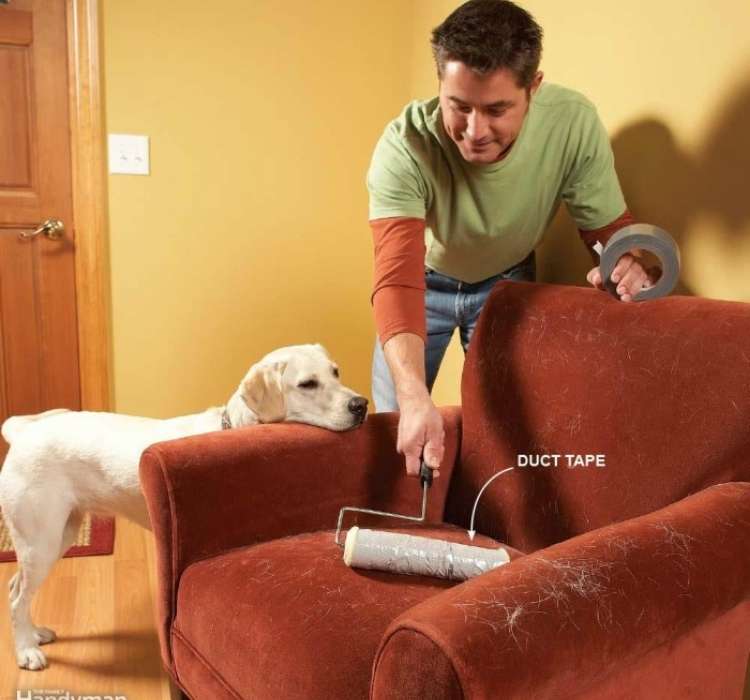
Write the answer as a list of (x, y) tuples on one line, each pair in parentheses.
[(636, 578), (661, 389), (559, 622), (210, 494), (293, 601)]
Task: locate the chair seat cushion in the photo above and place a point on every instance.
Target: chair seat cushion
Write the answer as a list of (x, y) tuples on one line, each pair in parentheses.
[(291, 604)]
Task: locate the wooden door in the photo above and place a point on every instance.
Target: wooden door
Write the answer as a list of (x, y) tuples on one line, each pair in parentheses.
[(38, 330)]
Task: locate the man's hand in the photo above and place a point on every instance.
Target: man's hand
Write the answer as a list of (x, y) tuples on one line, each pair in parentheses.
[(629, 275), (420, 433), (420, 426)]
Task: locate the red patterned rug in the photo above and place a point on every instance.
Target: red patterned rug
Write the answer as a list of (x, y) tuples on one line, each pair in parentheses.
[(96, 536)]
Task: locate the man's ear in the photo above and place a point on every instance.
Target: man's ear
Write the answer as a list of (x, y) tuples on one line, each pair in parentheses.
[(262, 391), (536, 82)]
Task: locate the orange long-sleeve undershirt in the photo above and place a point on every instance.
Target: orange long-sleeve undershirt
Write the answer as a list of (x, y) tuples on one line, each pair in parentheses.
[(398, 286)]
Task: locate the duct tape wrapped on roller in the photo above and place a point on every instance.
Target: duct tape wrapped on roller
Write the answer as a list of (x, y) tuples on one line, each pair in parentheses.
[(397, 553), (645, 237)]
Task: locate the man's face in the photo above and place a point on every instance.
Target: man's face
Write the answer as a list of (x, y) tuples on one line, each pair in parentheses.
[(483, 114)]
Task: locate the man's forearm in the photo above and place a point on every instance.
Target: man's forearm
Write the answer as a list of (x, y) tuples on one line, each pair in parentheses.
[(603, 234), (404, 353)]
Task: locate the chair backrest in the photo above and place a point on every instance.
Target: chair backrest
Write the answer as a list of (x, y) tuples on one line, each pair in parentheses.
[(660, 389)]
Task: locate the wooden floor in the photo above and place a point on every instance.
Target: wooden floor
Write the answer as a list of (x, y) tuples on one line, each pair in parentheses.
[(102, 610)]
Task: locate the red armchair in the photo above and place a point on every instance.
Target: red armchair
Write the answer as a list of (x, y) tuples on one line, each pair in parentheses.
[(630, 580)]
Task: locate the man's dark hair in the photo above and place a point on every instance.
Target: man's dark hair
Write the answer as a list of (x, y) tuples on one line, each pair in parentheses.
[(486, 35)]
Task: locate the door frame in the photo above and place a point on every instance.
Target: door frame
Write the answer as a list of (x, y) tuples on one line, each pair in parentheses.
[(90, 198)]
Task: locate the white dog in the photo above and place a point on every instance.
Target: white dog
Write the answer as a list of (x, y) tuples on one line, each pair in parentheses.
[(62, 464)]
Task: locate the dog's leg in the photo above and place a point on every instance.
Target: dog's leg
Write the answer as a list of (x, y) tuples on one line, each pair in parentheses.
[(14, 583), (37, 541), (70, 533), (44, 635)]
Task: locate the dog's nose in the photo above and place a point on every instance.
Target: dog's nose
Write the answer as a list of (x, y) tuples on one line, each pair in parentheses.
[(358, 406)]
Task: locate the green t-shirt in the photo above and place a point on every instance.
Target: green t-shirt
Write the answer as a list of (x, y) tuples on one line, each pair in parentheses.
[(482, 219)]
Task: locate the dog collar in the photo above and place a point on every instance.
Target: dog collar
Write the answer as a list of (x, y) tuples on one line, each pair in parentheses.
[(226, 424)]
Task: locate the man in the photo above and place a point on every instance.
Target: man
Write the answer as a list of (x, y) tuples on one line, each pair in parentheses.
[(462, 188)]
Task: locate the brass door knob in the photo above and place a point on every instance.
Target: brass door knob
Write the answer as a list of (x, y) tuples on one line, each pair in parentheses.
[(52, 228)]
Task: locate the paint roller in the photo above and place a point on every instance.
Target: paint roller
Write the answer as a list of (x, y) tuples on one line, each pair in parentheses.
[(399, 553)]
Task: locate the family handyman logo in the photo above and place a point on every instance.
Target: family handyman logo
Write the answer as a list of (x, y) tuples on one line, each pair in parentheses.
[(62, 695)]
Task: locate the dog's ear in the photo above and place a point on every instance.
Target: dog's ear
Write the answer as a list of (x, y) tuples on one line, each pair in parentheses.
[(238, 411), (263, 392)]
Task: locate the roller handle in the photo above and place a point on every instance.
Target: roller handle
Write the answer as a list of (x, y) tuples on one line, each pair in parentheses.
[(425, 474)]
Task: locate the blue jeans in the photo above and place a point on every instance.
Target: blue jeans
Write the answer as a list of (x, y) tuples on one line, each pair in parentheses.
[(449, 304)]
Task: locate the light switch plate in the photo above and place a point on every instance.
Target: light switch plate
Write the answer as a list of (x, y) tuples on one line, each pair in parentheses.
[(129, 154)]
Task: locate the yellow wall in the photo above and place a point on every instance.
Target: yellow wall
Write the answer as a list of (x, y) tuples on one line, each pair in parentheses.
[(251, 231)]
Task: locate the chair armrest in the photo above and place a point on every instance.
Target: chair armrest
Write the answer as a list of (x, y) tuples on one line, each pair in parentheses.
[(210, 493), (558, 622)]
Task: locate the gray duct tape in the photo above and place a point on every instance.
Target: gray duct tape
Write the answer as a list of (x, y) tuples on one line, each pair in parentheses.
[(399, 553), (646, 237)]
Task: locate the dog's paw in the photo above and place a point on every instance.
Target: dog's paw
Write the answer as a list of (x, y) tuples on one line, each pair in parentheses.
[(31, 658), (44, 635)]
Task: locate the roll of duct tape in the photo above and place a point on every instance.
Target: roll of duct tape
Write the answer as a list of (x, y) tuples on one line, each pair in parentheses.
[(646, 237)]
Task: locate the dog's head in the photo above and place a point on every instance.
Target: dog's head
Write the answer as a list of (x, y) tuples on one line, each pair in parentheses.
[(298, 384)]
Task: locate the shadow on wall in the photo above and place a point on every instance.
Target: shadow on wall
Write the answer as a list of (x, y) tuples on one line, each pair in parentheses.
[(667, 186)]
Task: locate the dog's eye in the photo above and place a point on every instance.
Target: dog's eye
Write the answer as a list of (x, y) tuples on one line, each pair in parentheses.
[(309, 384), (336, 372)]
